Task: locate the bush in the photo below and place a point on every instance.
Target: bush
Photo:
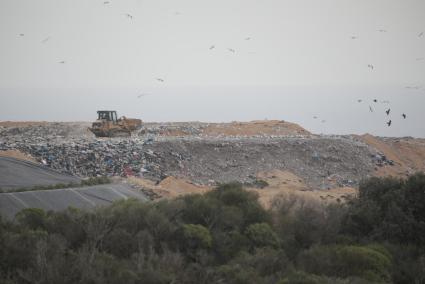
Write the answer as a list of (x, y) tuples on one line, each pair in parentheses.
[(366, 262), (389, 209), (224, 236), (196, 237), (32, 218), (262, 235)]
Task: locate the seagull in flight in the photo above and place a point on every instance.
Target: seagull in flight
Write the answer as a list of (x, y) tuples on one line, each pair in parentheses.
[(388, 111), (359, 100), (21, 34), (370, 66), (106, 2), (354, 37), (142, 95), (382, 31), (129, 16), (420, 34), (212, 47), (248, 38), (62, 62), (46, 39), (370, 109), (389, 123), (375, 100), (413, 87), (231, 50), (404, 115), (160, 80)]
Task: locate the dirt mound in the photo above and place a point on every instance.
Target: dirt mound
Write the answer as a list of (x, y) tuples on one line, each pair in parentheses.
[(254, 128), (169, 187), (407, 154), (277, 183), (232, 129), (285, 182)]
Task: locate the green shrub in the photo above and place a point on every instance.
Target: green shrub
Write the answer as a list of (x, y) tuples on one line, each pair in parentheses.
[(389, 209), (32, 218), (262, 235), (369, 263), (196, 236)]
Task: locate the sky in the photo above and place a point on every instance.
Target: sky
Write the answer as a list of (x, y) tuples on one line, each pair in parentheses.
[(223, 60)]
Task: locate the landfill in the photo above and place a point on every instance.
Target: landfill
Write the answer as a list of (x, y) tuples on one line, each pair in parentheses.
[(154, 153)]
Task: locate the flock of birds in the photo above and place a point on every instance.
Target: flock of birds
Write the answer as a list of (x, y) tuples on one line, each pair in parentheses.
[(371, 109), (232, 50), (388, 111), (371, 67)]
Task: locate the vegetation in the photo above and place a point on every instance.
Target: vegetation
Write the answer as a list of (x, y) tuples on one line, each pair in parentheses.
[(85, 182), (225, 236)]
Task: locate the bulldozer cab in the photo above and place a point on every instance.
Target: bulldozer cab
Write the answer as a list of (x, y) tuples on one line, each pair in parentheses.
[(107, 115)]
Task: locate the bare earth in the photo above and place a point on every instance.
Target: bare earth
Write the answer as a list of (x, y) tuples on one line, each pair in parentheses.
[(408, 154)]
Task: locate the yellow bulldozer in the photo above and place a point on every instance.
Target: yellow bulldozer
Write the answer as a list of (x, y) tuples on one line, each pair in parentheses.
[(109, 125)]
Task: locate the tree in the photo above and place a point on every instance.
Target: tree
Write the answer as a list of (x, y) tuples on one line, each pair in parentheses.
[(262, 235), (371, 263)]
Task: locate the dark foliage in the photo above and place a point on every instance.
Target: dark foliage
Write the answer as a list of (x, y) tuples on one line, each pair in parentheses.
[(225, 236)]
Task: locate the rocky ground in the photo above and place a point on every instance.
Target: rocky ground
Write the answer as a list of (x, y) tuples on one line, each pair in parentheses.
[(205, 154)]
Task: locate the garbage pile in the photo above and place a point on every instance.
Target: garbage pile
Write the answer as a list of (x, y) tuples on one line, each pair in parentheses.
[(172, 129), (322, 161)]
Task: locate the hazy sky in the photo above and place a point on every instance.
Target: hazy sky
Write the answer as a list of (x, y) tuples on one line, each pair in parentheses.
[(292, 60)]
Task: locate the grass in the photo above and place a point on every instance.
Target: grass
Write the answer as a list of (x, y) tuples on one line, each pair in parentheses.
[(87, 182)]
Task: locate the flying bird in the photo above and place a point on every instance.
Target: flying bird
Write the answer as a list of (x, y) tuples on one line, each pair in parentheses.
[(212, 47), (354, 37), (370, 109), (231, 50), (45, 40), (375, 100), (315, 117), (247, 38), (106, 2), (389, 123), (370, 66), (160, 80), (142, 95), (129, 16), (388, 111), (62, 62), (420, 34), (382, 31), (413, 87), (21, 34), (404, 115), (359, 100)]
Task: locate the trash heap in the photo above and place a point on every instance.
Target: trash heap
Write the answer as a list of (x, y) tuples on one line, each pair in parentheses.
[(321, 161)]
